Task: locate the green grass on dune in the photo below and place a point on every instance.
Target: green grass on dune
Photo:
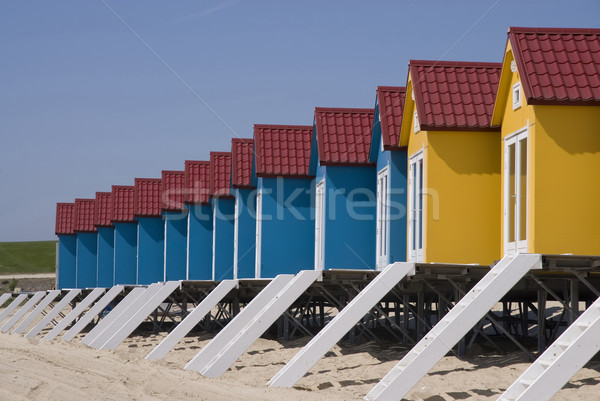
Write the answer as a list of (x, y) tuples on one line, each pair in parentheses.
[(27, 257)]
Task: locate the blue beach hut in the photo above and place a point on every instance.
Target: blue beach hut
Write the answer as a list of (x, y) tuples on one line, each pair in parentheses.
[(175, 217), (244, 237), (106, 239), (125, 242), (390, 239), (151, 230), (345, 189), (86, 265), (67, 245), (223, 211), (284, 226)]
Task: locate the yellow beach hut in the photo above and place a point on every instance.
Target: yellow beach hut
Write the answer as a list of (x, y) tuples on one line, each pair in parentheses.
[(454, 165), (548, 104)]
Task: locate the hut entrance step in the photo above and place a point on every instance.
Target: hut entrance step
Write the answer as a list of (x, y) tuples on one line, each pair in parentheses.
[(341, 324), (569, 353), (461, 318)]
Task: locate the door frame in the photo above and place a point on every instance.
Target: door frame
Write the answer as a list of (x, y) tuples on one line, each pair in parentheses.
[(517, 246), (383, 214), (320, 202), (417, 254), (257, 253)]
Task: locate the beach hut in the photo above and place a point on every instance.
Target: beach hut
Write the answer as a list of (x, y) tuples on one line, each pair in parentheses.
[(454, 166), (87, 244), (345, 193), (200, 222), (390, 239), (548, 106), (67, 245), (106, 239), (244, 237), (223, 212), (175, 217), (151, 230), (125, 242), (285, 230)]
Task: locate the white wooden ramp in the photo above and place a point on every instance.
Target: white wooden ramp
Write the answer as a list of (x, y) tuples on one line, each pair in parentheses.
[(140, 314), (112, 315), (96, 310), (51, 296), (567, 354), (210, 350), (62, 304), (341, 324), (455, 325), (74, 314), (192, 319), (22, 311), (13, 305), (4, 297), (260, 323)]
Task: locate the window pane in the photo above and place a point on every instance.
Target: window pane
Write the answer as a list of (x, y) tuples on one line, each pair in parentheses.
[(511, 193), (413, 200), (523, 190), (420, 204)]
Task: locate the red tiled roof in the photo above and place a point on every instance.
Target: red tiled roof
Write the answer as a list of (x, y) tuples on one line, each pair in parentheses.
[(174, 188), (282, 150), (391, 105), (197, 179), (148, 194), (84, 215), (123, 197), (103, 209), (344, 135), (241, 162), (558, 66), (454, 95), (65, 218), (220, 174)]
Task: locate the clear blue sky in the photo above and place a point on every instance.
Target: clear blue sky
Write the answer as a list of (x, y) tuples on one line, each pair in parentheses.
[(85, 104)]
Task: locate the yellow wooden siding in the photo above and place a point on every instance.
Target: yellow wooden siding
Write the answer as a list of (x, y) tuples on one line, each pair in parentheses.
[(567, 183), (464, 215)]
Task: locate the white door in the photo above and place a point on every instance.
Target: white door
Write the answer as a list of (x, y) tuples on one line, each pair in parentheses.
[(382, 236), (320, 226), (415, 207), (258, 233), (515, 193), (236, 217)]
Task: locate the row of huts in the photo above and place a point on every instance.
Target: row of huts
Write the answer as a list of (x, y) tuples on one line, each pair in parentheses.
[(467, 163)]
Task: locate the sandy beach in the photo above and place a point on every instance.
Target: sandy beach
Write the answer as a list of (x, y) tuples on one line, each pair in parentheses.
[(57, 370)]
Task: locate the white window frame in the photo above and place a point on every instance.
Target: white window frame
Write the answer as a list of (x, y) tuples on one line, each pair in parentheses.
[(516, 246), (236, 217), (214, 237), (187, 253), (416, 254), (320, 225), (416, 125), (383, 224), (517, 96), (257, 253)]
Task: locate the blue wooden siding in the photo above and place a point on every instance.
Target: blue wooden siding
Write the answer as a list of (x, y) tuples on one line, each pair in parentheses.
[(350, 212), (223, 215), (175, 257), (87, 260), (199, 252), (246, 241), (151, 244), (125, 253), (106, 256), (288, 229), (67, 248)]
